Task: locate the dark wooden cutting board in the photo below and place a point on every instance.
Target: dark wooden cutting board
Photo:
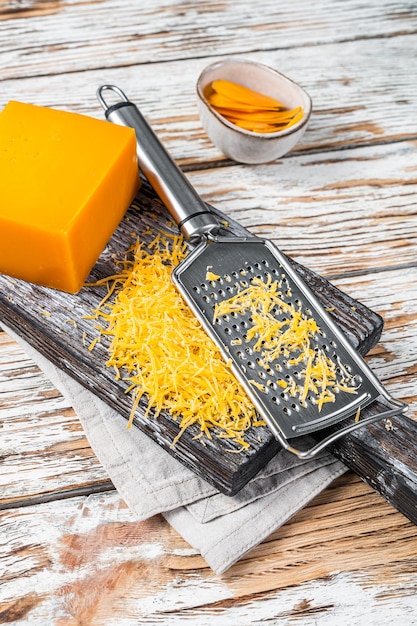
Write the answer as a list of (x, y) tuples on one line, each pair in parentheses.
[(54, 323)]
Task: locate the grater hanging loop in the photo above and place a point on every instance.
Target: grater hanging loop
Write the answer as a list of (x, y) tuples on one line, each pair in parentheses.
[(113, 88)]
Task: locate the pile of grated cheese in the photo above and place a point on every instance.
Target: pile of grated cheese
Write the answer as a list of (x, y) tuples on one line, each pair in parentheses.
[(160, 349), (290, 337)]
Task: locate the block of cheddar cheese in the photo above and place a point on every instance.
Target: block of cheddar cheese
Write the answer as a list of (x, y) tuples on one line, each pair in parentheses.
[(66, 181)]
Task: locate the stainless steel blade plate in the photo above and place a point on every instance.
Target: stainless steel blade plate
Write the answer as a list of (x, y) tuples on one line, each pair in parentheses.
[(220, 268)]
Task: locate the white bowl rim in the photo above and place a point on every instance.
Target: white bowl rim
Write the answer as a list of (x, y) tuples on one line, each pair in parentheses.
[(250, 133)]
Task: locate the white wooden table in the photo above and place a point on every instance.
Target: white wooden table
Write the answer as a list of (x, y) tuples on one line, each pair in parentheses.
[(344, 203)]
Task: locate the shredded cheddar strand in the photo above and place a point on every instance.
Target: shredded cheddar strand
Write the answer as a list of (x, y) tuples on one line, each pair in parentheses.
[(239, 93)]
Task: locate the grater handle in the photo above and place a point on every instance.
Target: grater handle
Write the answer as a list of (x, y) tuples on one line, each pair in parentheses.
[(191, 214), (392, 407)]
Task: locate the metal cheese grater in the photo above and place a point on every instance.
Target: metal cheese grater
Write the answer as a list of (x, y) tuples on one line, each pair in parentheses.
[(219, 268)]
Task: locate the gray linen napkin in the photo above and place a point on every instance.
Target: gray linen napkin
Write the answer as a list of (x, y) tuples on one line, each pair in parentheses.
[(150, 481)]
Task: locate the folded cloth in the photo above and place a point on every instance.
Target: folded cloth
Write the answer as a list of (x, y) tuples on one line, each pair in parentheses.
[(151, 481)]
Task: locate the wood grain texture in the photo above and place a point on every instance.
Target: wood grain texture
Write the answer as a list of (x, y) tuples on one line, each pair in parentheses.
[(32, 412), (350, 211), (78, 36), (342, 203), (352, 104), (86, 559), (41, 438), (33, 415), (55, 323)]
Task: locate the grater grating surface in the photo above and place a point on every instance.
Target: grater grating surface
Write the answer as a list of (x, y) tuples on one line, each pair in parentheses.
[(237, 262)]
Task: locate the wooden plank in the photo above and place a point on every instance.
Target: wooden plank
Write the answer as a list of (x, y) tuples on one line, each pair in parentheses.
[(87, 561), (393, 295), (348, 557), (350, 98), (43, 449), (335, 212), (375, 292), (395, 353), (71, 36), (41, 317), (34, 417)]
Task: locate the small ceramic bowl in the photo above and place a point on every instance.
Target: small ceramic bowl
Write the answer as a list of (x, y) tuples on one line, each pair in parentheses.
[(247, 146)]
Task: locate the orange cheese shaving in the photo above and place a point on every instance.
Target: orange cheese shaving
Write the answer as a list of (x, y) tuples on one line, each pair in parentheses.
[(159, 348), (250, 109)]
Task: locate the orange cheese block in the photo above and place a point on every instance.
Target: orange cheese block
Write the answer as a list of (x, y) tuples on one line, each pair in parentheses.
[(66, 181)]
